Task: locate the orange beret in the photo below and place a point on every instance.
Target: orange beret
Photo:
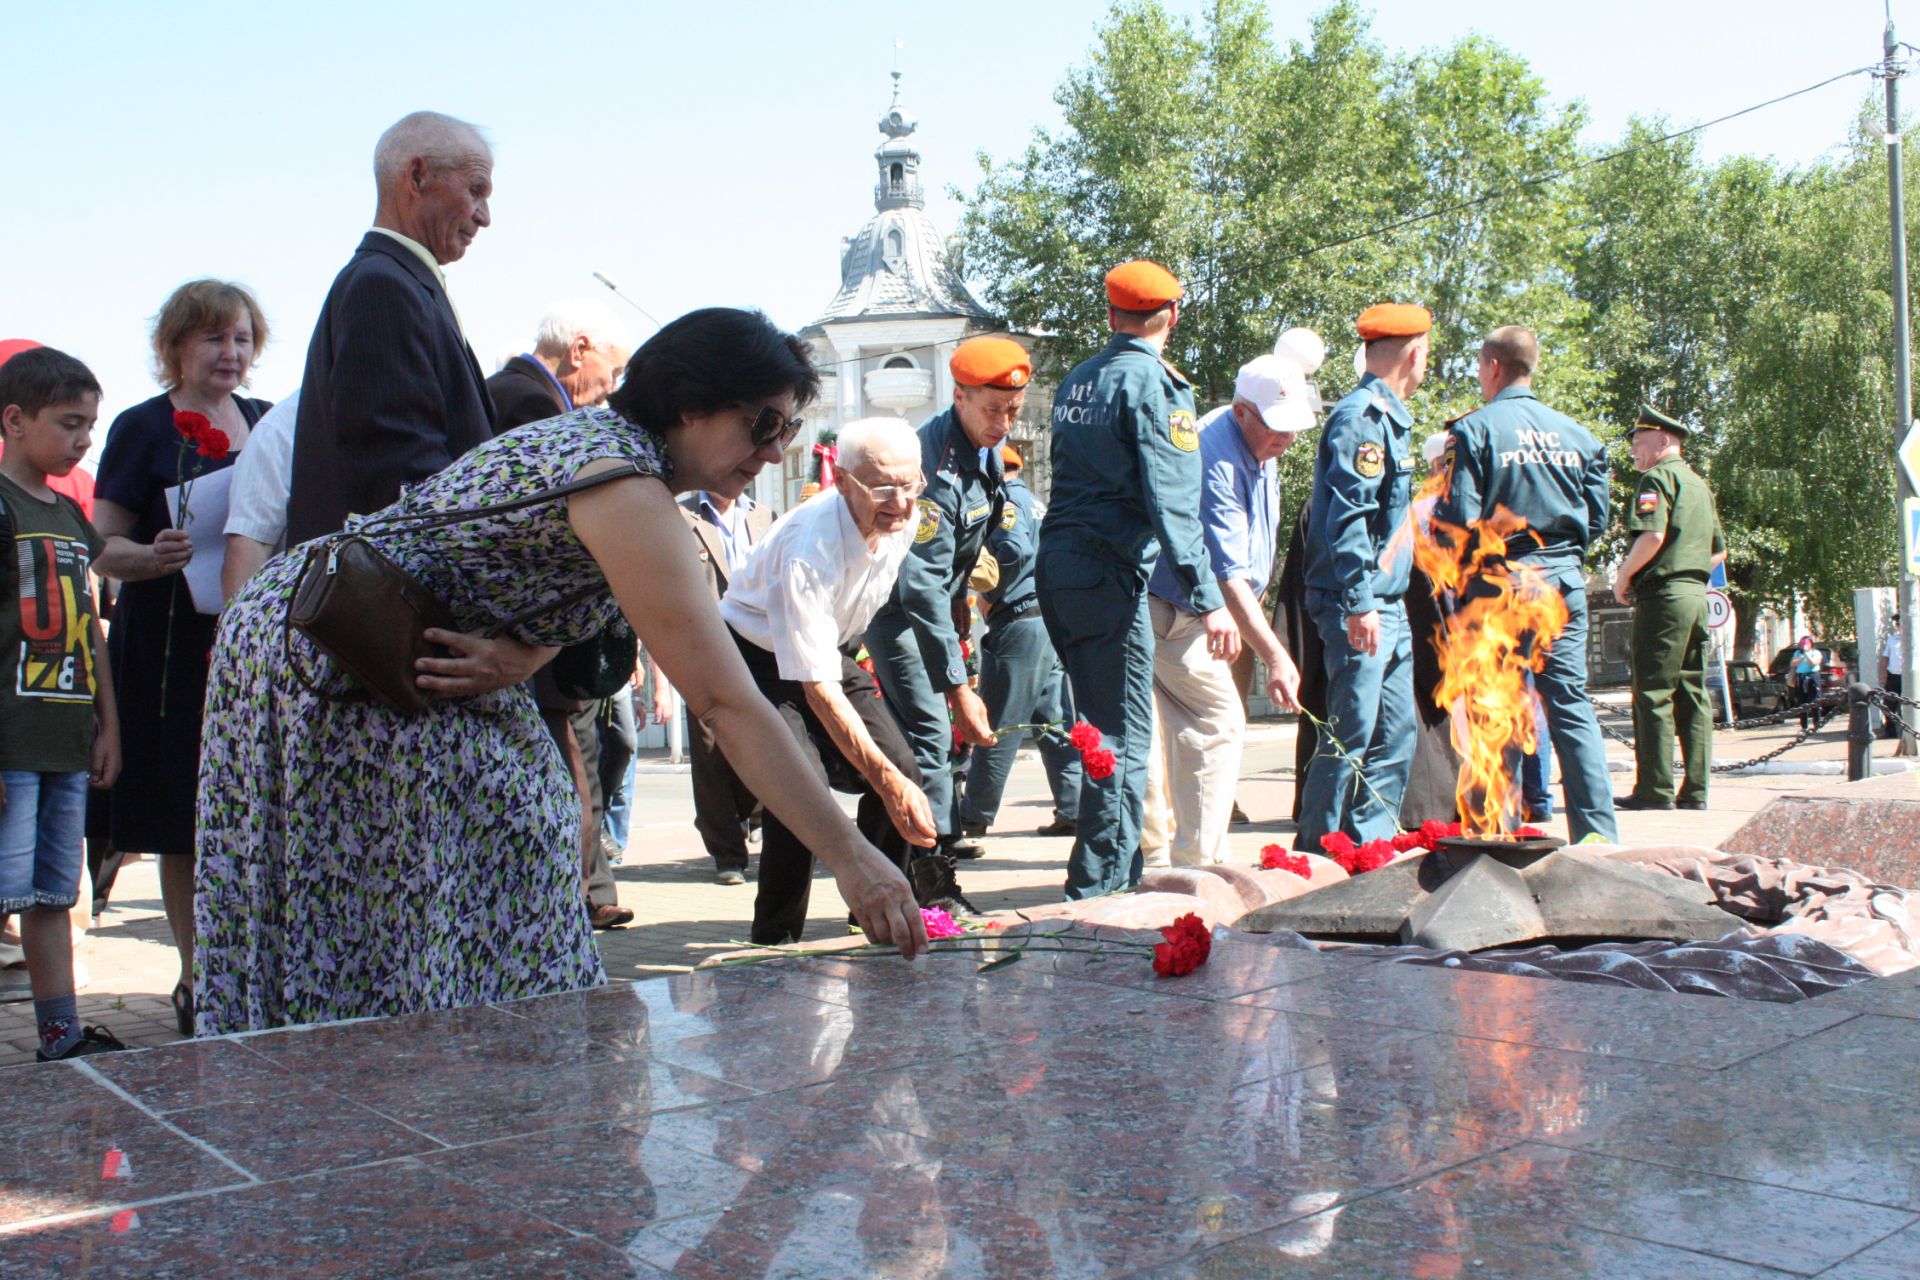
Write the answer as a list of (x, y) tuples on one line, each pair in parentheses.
[(991, 362), (1010, 456), (1141, 285), (1393, 320)]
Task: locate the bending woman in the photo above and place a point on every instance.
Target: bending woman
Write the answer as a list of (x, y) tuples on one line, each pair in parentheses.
[(355, 861)]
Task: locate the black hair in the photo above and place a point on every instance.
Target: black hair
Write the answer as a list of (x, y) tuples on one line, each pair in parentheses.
[(41, 376), (709, 359)]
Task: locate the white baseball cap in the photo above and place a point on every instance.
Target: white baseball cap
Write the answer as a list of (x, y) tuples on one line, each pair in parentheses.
[(1277, 387)]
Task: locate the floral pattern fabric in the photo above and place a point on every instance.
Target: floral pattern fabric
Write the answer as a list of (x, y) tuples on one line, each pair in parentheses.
[(357, 862)]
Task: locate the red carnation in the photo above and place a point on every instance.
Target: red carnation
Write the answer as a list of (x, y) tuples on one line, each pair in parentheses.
[(1373, 855), (1336, 845), (1188, 943), (1530, 833), (1407, 840), (1274, 858), (1099, 764), (192, 425), (1433, 831), (1084, 737), (212, 443)]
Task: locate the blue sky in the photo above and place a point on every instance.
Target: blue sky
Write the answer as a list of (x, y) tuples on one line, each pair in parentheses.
[(697, 154)]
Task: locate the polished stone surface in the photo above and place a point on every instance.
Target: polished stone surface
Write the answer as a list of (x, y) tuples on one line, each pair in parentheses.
[(1070, 1115), (1871, 826)]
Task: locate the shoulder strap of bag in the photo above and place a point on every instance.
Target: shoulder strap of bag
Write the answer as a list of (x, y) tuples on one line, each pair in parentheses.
[(439, 519)]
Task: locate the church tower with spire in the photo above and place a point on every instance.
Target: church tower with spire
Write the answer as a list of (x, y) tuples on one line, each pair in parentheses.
[(883, 342)]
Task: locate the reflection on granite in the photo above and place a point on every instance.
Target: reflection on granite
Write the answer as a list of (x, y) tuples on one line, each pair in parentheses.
[(1277, 1113)]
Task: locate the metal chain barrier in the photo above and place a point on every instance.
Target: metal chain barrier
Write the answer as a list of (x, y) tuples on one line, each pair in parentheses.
[(1812, 715)]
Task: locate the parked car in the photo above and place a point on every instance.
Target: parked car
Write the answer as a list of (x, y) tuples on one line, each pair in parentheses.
[(1835, 662), (1753, 693)]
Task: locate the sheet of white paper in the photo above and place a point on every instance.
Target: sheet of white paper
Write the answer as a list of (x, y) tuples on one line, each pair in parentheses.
[(206, 526)]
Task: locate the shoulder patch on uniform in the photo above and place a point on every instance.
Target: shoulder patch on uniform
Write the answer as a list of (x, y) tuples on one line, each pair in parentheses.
[(1369, 459), (1646, 502), (1181, 431), (1009, 515), (929, 520)]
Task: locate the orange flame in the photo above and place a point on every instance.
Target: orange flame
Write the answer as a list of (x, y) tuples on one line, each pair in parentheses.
[(1497, 609)]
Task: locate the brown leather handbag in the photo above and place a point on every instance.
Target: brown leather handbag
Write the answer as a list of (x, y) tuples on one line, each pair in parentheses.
[(371, 616)]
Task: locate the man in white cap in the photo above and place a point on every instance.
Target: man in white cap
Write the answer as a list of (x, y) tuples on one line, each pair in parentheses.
[(1201, 721)]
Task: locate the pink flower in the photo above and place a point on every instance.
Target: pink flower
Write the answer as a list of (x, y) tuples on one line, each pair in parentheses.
[(940, 924)]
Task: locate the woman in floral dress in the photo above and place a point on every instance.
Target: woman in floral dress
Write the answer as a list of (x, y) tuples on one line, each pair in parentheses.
[(355, 861)]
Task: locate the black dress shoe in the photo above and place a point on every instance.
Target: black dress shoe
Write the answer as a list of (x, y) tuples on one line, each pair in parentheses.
[(972, 828), (965, 849), (1635, 802), (1689, 804), (1059, 827)]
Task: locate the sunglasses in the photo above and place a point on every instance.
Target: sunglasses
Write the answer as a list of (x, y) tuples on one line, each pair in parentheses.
[(886, 494), (770, 425)]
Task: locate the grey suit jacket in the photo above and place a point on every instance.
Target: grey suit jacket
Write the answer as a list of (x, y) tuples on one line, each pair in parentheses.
[(713, 552)]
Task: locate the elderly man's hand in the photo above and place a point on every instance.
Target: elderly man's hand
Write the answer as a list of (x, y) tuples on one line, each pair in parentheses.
[(882, 902), (478, 664), (908, 808)]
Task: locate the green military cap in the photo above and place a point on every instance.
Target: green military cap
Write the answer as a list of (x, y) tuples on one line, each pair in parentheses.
[(1651, 417)]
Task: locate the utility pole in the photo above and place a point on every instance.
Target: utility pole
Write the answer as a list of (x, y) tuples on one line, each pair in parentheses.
[(1893, 69)]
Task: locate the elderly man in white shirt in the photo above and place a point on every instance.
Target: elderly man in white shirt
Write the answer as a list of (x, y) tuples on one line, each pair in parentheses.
[(797, 607), (257, 504)]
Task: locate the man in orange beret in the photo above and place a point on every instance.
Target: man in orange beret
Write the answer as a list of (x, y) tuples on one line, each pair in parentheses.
[(913, 640), (1362, 488), (1126, 493)]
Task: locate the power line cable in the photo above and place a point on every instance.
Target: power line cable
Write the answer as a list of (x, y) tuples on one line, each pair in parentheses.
[(1400, 224)]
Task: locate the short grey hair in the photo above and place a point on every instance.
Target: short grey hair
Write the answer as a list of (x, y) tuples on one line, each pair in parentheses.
[(439, 139), (861, 438), (572, 318)]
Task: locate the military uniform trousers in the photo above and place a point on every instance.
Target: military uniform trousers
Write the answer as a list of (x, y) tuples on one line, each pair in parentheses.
[(1096, 615), (1022, 682), (921, 711), (1201, 732), (1571, 726), (786, 865), (1670, 689), (1370, 710)]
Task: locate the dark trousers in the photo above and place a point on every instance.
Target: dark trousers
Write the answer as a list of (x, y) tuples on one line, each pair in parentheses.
[(722, 805), (1096, 616), (786, 865)]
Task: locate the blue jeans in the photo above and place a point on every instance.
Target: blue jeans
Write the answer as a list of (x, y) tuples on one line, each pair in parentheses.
[(920, 710), (619, 751), (1370, 711), (1022, 682), (1096, 615), (1536, 767), (43, 839), (1571, 725)]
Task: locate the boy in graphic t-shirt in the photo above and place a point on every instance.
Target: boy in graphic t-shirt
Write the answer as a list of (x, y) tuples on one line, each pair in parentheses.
[(58, 728)]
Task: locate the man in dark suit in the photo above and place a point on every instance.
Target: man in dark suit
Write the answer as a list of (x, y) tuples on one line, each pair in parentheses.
[(392, 393), (722, 806), (576, 359)]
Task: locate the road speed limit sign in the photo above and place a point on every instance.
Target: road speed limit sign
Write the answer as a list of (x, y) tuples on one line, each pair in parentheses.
[(1719, 609)]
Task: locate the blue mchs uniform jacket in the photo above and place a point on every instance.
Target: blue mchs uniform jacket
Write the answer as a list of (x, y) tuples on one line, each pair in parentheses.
[(1516, 453), (1126, 468), (961, 505), (1362, 487)]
